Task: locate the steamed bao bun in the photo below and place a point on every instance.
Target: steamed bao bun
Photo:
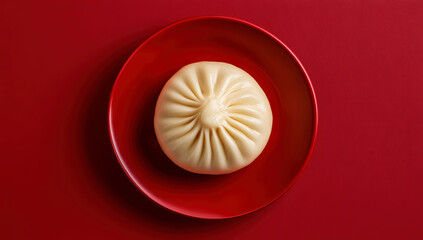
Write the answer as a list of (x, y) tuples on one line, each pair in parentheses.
[(212, 118)]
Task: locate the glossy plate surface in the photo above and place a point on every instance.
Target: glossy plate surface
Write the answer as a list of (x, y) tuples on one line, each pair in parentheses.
[(244, 45)]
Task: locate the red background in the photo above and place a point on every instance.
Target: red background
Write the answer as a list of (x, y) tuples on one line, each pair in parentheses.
[(59, 176)]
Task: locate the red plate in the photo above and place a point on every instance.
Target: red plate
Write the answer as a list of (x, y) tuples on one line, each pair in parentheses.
[(242, 44)]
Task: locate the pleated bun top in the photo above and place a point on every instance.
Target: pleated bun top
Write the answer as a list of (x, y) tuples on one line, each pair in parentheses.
[(212, 118)]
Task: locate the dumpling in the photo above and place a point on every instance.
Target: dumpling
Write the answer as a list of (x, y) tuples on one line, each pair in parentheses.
[(212, 118)]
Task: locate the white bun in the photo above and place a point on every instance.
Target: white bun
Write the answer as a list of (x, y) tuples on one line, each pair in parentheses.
[(212, 118)]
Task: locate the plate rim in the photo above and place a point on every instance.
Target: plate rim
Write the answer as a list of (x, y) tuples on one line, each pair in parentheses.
[(260, 29)]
